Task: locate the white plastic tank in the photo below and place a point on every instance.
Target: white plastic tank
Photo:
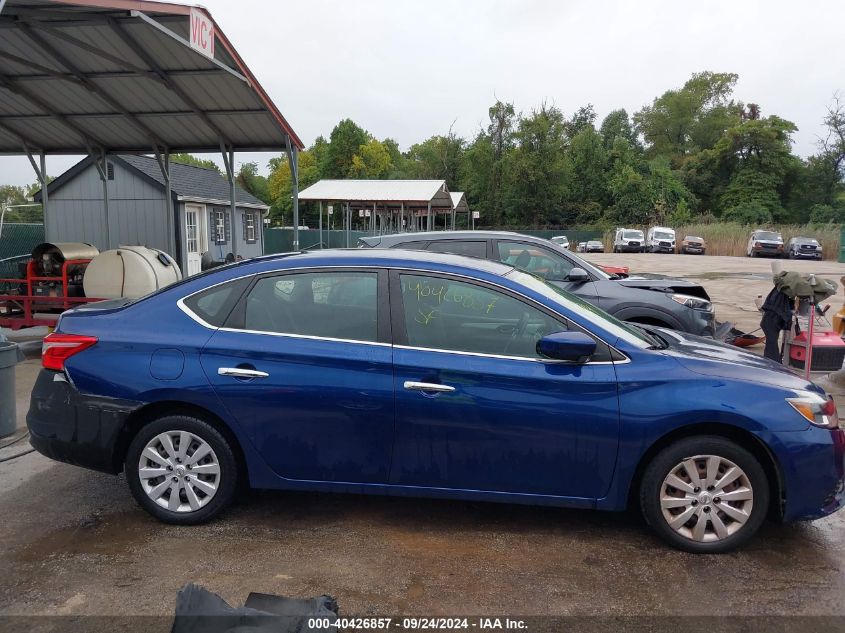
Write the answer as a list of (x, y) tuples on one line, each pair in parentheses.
[(129, 271)]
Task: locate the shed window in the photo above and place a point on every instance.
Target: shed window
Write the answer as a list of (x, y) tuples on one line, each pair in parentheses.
[(249, 227), (219, 227)]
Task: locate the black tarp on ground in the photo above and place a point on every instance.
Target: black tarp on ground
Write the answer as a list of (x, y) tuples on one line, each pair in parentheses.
[(201, 611)]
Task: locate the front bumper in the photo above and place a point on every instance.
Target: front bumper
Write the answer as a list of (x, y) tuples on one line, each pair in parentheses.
[(692, 250), (79, 429), (806, 255), (813, 462), (629, 248)]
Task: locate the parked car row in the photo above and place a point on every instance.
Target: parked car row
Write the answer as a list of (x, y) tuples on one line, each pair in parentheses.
[(660, 239), (770, 243)]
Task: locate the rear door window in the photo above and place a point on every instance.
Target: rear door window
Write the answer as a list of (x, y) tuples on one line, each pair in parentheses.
[(535, 260), (340, 305)]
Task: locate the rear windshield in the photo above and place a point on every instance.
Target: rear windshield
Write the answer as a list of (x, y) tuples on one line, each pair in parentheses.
[(768, 235)]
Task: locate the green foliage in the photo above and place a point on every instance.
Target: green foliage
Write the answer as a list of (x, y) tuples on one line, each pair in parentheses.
[(190, 159), (825, 213), (694, 155), (690, 119), (345, 141), (15, 201), (750, 213), (371, 161), (250, 180)]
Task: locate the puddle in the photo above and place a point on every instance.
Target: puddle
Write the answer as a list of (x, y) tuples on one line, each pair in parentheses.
[(105, 535)]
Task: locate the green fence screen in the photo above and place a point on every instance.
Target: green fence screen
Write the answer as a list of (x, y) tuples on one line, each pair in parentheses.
[(20, 239), (281, 240), (842, 246)]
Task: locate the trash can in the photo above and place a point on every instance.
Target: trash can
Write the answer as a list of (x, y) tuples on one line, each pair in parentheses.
[(8, 360)]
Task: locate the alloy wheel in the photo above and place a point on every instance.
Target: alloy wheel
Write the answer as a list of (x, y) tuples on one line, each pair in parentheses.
[(179, 471), (706, 498)]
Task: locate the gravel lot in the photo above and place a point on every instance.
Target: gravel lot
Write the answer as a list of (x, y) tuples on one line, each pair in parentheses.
[(73, 542)]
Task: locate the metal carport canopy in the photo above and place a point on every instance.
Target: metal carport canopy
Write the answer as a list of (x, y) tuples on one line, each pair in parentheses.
[(122, 76), (125, 76)]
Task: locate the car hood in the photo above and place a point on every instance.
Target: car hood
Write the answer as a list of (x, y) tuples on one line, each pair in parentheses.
[(663, 283), (712, 358)]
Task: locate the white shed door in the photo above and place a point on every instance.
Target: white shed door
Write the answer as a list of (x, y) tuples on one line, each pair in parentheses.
[(195, 236)]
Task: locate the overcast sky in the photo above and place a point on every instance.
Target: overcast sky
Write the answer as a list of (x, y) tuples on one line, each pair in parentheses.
[(408, 70)]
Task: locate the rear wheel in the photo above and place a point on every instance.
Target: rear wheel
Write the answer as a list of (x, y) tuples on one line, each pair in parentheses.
[(181, 470), (705, 495)]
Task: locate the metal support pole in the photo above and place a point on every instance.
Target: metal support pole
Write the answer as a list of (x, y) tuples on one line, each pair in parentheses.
[(401, 217), (45, 195), (428, 224), (101, 164), (229, 164), (294, 179), (163, 159), (348, 222), (320, 223)]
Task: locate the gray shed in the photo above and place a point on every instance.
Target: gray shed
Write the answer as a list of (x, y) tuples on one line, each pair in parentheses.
[(206, 232)]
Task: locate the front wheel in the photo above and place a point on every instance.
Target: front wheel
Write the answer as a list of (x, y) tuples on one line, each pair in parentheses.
[(705, 495), (181, 470)]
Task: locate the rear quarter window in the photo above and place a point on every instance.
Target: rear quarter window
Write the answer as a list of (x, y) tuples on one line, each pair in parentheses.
[(214, 304)]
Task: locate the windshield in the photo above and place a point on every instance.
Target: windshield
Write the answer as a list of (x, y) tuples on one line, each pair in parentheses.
[(632, 235), (664, 235), (768, 235), (693, 238), (618, 328)]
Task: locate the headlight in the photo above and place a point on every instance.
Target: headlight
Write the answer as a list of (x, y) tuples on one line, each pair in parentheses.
[(693, 302), (816, 409)]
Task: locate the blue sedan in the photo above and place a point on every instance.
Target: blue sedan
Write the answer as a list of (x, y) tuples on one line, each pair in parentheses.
[(413, 373)]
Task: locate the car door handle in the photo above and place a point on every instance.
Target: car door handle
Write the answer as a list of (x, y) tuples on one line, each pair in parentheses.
[(427, 386), (239, 372)]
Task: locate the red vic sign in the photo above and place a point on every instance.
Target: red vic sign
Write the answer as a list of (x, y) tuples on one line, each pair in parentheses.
[(202, 33)]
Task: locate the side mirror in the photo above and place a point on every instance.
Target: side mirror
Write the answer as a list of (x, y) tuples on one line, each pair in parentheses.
[(578, 275), (572, 346)]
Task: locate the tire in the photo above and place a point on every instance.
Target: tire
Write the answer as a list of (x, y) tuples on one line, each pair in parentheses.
[(734, 531), (201, 497)]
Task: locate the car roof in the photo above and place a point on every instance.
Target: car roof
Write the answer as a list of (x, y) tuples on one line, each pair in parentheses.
[(424, 260), (399, 238)]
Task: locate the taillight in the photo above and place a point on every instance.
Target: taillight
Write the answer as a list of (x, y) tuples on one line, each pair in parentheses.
[(57, 348)]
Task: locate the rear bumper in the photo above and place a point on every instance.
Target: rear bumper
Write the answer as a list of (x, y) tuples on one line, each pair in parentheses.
[(75, 428)]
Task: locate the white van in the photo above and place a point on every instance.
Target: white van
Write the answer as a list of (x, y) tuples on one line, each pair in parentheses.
[(628, 241), (660, 239)]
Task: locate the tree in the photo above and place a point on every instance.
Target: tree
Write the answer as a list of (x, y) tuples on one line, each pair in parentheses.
[(15, 201), (757, 155), (541, 173), (690, 119), (438, 157), (588, 162), (824, 213), (749, 213), (618, 125), (581, 119), (190, 159), (371, 161), (344, 142), (280, 184), (250, 180)]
